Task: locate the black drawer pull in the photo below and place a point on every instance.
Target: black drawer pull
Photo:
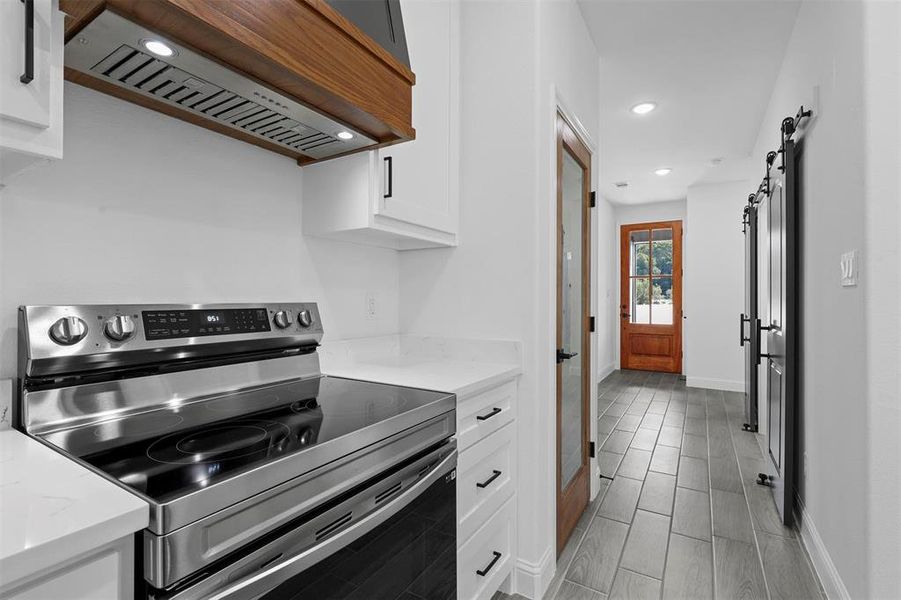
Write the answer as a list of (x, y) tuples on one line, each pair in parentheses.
[(494, 475), (493, 412), (28, 75), (483, 572), (389, 165)]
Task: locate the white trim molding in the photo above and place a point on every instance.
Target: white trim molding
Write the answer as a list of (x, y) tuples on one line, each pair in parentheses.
[(533, 579), (727, 385), (822, 563)]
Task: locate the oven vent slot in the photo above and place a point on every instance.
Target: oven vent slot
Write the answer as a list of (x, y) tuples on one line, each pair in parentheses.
[(389, 492), (334, 526), (150, 76)]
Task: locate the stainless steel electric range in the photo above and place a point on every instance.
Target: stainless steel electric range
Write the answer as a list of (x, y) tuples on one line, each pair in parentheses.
[(265, 479)]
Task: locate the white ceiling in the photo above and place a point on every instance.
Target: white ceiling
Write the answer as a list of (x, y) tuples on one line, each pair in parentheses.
[(709, 64)]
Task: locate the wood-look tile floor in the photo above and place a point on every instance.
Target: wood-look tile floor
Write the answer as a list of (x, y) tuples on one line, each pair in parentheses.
[(679, 514)]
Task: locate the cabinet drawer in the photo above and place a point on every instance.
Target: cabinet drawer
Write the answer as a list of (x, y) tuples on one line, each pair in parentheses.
[(485, 560), (485, 413), (484, 480)]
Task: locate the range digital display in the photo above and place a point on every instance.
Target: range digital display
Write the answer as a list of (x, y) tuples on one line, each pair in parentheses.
[(171, 324)]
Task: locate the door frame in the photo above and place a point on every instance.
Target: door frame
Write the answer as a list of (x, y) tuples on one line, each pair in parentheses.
[(678, 276), (572, 501)]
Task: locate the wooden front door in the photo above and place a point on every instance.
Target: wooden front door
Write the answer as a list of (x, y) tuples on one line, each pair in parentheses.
[(573, 337), (651, 296)]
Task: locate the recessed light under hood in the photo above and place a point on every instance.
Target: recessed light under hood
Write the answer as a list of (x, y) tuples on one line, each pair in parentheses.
[(112, 49)]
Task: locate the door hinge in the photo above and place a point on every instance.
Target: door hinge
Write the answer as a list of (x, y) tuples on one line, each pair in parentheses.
[(593, 199), (591, 451), (591, 324)]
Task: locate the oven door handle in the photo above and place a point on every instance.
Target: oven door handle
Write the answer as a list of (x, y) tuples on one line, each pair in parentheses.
[(260, 583)]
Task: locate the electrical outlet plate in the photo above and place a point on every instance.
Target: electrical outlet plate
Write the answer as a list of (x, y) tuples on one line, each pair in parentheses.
[(849, 268)]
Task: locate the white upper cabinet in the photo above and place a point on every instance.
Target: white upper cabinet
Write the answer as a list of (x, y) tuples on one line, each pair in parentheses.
[(31, 100), (404, 196)]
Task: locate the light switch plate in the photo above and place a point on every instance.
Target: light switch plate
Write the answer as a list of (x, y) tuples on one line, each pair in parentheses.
[(849, 268)]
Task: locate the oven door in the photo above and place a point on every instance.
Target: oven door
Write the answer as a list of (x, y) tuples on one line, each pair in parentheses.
[(393, 537)]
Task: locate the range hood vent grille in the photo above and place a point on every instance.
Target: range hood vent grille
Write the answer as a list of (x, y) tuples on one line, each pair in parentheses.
[(111, 50), (141, 72)]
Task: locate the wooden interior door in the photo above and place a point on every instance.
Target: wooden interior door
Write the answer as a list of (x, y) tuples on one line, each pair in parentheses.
[(651, 296), (781, 354), (573, 337)]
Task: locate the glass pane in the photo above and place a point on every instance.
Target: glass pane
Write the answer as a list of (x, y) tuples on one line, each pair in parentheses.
[(641, 263), (571, 419), (662, 260), (662, 300), (640, 305)]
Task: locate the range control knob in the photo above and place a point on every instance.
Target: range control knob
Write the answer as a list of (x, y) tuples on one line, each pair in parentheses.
[(283, 319), (305, 318), (119, 328), (68, 331)]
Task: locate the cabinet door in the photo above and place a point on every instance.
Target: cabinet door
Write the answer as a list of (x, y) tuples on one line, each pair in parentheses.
[(419, 179), (27, 103)]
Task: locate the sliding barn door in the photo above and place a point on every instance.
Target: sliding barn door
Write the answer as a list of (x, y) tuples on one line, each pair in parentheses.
[(781, 332)]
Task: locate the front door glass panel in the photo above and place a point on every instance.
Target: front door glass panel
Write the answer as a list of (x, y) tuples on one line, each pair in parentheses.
[(571, 403)]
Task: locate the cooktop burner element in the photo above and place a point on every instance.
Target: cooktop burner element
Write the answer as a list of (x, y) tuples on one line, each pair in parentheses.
[(217, 443)]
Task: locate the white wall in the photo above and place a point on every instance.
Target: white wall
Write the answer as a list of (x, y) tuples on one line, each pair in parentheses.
[(882, 226), (146, 208), (648, 212), (849, 337), (500, 282), (713, 286), (608, 286)]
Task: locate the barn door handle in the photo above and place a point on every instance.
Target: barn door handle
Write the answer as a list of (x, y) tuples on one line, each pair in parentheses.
[(28, 75), (742, 319)]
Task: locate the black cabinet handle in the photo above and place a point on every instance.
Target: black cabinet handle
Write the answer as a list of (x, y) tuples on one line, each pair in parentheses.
[(494, 475), (389, 164), (493, 412), (494, 560), (28, 76)]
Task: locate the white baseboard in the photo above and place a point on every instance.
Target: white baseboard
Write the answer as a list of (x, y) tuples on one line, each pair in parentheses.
[(822, 563), (533, 579), (727, 385), (606, 370)]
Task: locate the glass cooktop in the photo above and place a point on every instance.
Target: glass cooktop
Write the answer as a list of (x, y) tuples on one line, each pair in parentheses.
[(171, 452)]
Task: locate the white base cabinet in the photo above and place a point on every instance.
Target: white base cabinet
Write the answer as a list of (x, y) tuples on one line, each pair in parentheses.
[(486, 490), (31, 112), (404, 196), (104, 574)]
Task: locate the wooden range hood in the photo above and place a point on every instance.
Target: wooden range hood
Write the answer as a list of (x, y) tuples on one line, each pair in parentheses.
[(275, 58)]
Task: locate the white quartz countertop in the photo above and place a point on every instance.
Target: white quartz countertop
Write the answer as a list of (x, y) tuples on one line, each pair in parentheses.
[(53, 509), (459, 377), (460, 366)]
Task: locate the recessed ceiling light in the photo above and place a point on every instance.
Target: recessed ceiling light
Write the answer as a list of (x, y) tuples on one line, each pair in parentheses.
[(644, 108), (158, 47), (345, 135), (663, 171)]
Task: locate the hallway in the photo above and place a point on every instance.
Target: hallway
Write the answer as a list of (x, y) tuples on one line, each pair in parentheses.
[(682, 516)]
